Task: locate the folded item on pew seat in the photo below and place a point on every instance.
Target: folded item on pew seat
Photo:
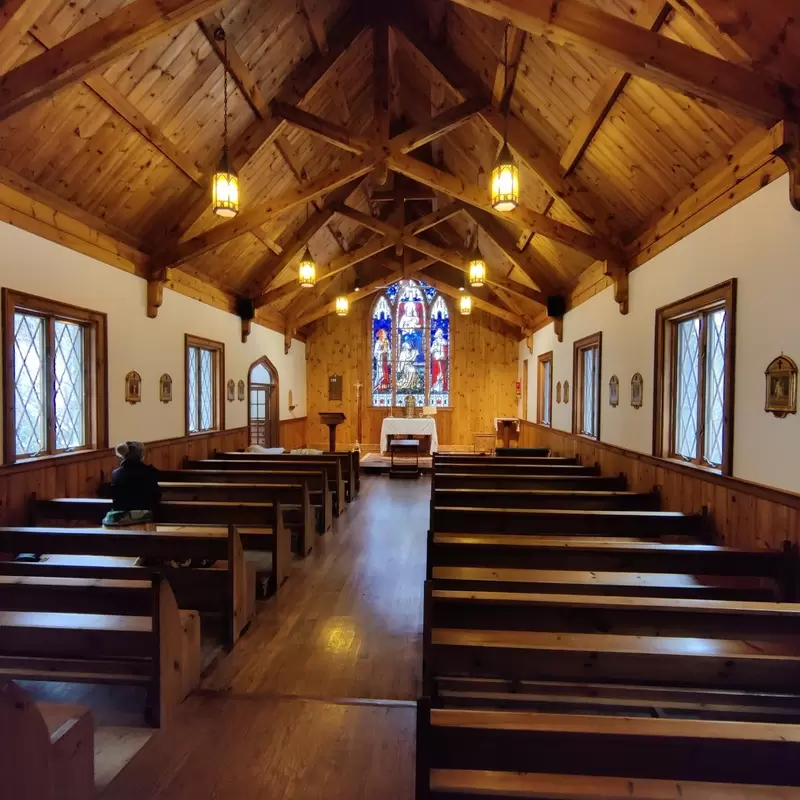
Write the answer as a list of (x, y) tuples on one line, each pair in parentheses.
[(264, 451), (306, 451), (119, 519)]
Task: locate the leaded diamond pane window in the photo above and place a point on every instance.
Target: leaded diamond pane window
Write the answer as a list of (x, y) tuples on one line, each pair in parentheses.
[(715, 387), (547, 392), (203, 382), (687, 403), (56, 354), (70, 397), (586, 386), (589, 409), (29, 384)]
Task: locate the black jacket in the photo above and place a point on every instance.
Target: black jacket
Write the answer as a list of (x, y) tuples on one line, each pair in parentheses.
[(134, 486)]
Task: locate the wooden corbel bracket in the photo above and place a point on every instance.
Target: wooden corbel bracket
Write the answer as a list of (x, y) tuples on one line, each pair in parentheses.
[(155, 292), (789, 153), (619, 274)]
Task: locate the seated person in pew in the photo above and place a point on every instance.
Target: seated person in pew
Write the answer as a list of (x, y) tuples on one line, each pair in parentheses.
[(134, 488)]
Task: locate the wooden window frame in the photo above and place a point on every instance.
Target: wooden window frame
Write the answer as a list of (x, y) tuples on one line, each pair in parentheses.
[(588, 342), (723, 295), (218, 348), (544, 358), (95, 343)]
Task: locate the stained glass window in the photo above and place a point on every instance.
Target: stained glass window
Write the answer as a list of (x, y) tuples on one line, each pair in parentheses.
[(410, 346), (203, 383)]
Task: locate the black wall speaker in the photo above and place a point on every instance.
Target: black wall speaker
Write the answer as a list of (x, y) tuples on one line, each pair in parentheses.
[(556, 306), (245, 307)]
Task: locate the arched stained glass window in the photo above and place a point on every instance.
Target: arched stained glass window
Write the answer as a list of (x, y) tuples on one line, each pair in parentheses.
[(410, 346)]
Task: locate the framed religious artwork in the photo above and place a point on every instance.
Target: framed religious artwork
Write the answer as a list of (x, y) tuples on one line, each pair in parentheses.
[(133, 388), (781, 377), (613, 391), (231, 390), (637, 390), (165, 388), (566, 391), (558, 392), (241, 390)]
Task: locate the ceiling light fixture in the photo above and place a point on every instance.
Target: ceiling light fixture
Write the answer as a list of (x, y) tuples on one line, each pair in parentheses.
[(505, 174), (307, 270), (225, 183)]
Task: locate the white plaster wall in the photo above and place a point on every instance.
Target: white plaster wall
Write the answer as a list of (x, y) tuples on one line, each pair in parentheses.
[(757, 242), (31, 264)]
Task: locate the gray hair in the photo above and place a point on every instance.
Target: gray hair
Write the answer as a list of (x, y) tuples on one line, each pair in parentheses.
[(133, 450)]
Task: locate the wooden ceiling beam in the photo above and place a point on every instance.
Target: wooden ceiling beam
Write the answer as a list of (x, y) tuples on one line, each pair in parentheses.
[(448, 289), (238, 69), (16, 17), (314, 25), (124, 31), (522, 216), (538, 271), (672, 64), (435, 217), (503, 84), (329, 132), (570, 192), (294, 89), (119, 103), (381, 88), (651, 15)]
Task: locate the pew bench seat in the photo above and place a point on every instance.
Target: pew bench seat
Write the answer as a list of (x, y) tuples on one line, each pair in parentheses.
[(752, 753), (527, 497), (656, 660), (591, 582), (470, 783)]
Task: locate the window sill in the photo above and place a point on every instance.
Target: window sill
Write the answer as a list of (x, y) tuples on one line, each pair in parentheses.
[(692, 465)]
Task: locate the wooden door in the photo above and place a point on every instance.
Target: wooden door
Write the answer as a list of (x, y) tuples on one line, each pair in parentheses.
[(260, 414), (525, 389)]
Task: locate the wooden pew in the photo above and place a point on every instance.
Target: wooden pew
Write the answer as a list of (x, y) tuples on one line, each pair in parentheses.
[(47, 749), (546, 498), (318, 490), (332, 470), (160, 652), (447, 459), (349, 465), (445, 479), (638, 524), (488, 466), (80, 581), (522, 452), (612, 554), (260, 525), (294, 498), (699, 644), (465, 748)]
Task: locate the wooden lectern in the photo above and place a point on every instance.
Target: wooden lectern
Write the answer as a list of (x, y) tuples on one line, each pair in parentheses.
[(505, 427), (331, 419)]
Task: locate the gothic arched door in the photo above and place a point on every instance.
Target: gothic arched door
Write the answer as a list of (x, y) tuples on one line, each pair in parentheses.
[(263, 415)]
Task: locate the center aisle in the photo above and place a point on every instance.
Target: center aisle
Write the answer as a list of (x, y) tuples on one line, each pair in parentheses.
[(317, 699)]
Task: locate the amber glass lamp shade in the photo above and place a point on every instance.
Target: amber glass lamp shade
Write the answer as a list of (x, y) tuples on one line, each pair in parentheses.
[(465, 304), (505, 181), (307, 271), (225, 191), (342, 305), (477, 270)]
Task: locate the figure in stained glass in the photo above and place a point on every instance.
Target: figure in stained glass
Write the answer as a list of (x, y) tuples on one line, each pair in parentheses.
[(410, 358)]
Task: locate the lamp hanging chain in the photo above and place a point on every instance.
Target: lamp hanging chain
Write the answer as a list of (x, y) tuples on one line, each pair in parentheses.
[(225, 102), (506, 98)]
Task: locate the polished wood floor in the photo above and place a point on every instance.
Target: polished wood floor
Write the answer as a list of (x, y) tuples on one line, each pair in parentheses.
[(317, 699)]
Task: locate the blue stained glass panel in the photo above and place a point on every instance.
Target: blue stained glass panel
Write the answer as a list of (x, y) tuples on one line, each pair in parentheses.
[(391, 292), (440, 354), (410, 378), (382, 353), (430, 291)]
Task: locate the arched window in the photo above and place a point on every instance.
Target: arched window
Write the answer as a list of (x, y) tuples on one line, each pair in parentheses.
[(410, 346)]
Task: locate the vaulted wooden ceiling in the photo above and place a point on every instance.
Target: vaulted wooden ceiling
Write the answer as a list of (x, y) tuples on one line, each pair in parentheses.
[(370, 133)]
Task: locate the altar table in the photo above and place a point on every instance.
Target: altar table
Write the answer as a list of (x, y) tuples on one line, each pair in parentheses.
[(409, 426)]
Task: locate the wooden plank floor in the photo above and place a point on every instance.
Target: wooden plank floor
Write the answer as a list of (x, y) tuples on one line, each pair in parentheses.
[(316, 700)]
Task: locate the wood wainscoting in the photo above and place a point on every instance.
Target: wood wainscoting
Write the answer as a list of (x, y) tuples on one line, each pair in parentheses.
[(744, 514), (78, 474), (293, 433)]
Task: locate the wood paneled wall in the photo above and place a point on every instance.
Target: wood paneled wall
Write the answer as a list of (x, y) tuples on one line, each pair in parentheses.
[(485, 362), (293, 433), (78, 475), (744, 514)]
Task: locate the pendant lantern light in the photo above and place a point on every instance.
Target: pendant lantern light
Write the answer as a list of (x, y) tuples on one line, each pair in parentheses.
[(342, 305), (505, 174), (225, 184), (465, 304), (307, 269), (477, 266)]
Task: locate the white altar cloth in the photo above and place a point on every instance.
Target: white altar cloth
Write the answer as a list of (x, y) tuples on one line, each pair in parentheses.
[(498, 420), (415, 426)]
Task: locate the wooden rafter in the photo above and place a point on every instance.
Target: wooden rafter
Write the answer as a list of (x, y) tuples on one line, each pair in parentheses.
[(672, 64), (577, 198), (330, 132), (522, 216), (117, 102), (503, 85), (482, 305), (239, 71), (16, 16), (381, 88), (435, 217), (314, 25), (651, 15), (294, 89), (123, 31)]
